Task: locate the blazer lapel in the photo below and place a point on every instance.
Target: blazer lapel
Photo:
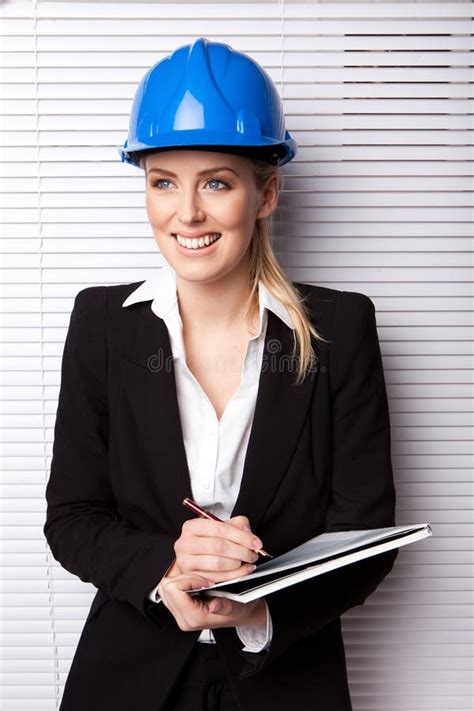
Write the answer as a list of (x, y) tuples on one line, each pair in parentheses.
[(150, 386), (280, 411)]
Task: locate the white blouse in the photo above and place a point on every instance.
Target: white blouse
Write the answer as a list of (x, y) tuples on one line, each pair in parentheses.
[(215, 449)]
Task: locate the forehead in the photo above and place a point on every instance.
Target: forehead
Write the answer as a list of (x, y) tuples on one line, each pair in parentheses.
[(195, 160)]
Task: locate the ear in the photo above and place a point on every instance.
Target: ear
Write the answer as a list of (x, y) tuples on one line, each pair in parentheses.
[(269, 199)]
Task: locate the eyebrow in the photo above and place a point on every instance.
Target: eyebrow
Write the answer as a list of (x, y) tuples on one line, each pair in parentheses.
[(207, 171)]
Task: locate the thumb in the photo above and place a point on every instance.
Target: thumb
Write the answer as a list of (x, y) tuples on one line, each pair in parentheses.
[(220, 606)]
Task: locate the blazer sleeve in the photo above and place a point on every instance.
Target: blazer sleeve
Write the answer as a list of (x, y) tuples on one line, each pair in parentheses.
[(362, 488), (83, 527)]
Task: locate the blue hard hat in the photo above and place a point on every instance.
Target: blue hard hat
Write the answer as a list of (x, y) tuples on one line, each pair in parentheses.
[(208, 94)]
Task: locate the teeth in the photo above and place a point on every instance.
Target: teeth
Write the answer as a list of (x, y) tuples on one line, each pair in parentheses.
[(195, 243)]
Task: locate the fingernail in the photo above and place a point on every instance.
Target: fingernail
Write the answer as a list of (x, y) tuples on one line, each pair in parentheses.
[(257, 543), (251, 567)]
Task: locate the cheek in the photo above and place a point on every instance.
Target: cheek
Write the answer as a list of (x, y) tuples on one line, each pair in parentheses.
[(235, 212), (152, 209)]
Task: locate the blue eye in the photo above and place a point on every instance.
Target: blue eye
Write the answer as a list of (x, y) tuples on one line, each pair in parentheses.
[(215, 180), (156, 183)]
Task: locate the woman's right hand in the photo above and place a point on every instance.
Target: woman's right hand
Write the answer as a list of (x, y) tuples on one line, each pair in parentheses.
[(216, 550)]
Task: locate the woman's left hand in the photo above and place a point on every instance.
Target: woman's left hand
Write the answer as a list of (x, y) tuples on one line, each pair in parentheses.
[(194, 613)]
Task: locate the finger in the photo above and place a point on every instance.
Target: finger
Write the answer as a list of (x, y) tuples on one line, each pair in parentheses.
[(198, 612), (220, 552), (195, 613), (213, 554), (188, 610), (221, 575), (222, 529), (220, 606), (186, 581), (241, 522), (169, 588)]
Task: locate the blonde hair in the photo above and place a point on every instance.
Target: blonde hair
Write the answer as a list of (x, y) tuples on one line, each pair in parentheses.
[(264, 266)]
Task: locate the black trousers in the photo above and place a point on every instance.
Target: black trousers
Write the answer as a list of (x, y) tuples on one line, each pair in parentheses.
[(202, 684)]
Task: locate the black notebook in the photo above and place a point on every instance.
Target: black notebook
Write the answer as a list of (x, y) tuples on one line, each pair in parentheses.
[(316, 556)]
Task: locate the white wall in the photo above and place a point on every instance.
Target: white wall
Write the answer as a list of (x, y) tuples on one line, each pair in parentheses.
[(378, 200)]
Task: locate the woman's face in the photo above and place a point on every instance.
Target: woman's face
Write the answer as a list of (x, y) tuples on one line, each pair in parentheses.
[(196, 193)]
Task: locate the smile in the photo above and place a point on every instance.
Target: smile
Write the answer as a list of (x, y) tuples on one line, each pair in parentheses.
[(198, 244)]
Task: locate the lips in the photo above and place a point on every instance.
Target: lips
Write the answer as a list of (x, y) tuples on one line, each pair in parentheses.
[(197, 236), (186, 243)]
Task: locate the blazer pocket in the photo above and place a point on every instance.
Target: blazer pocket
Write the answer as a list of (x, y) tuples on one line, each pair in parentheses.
[(153, 362), (132, 364)]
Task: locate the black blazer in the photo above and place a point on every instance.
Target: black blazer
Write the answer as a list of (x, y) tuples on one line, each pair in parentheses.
[(318, 460)]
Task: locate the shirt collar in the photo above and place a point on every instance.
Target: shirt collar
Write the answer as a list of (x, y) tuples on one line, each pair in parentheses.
[(161, 289)]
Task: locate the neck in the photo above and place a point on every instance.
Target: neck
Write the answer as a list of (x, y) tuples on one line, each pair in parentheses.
[(214, 306)]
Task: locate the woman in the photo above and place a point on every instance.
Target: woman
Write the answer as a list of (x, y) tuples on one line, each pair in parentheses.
[(260, 398)]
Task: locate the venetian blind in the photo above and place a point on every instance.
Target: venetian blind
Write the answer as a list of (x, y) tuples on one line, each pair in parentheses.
[(377, 200)]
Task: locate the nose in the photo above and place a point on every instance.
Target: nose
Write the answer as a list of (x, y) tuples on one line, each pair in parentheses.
[(189, 210)]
